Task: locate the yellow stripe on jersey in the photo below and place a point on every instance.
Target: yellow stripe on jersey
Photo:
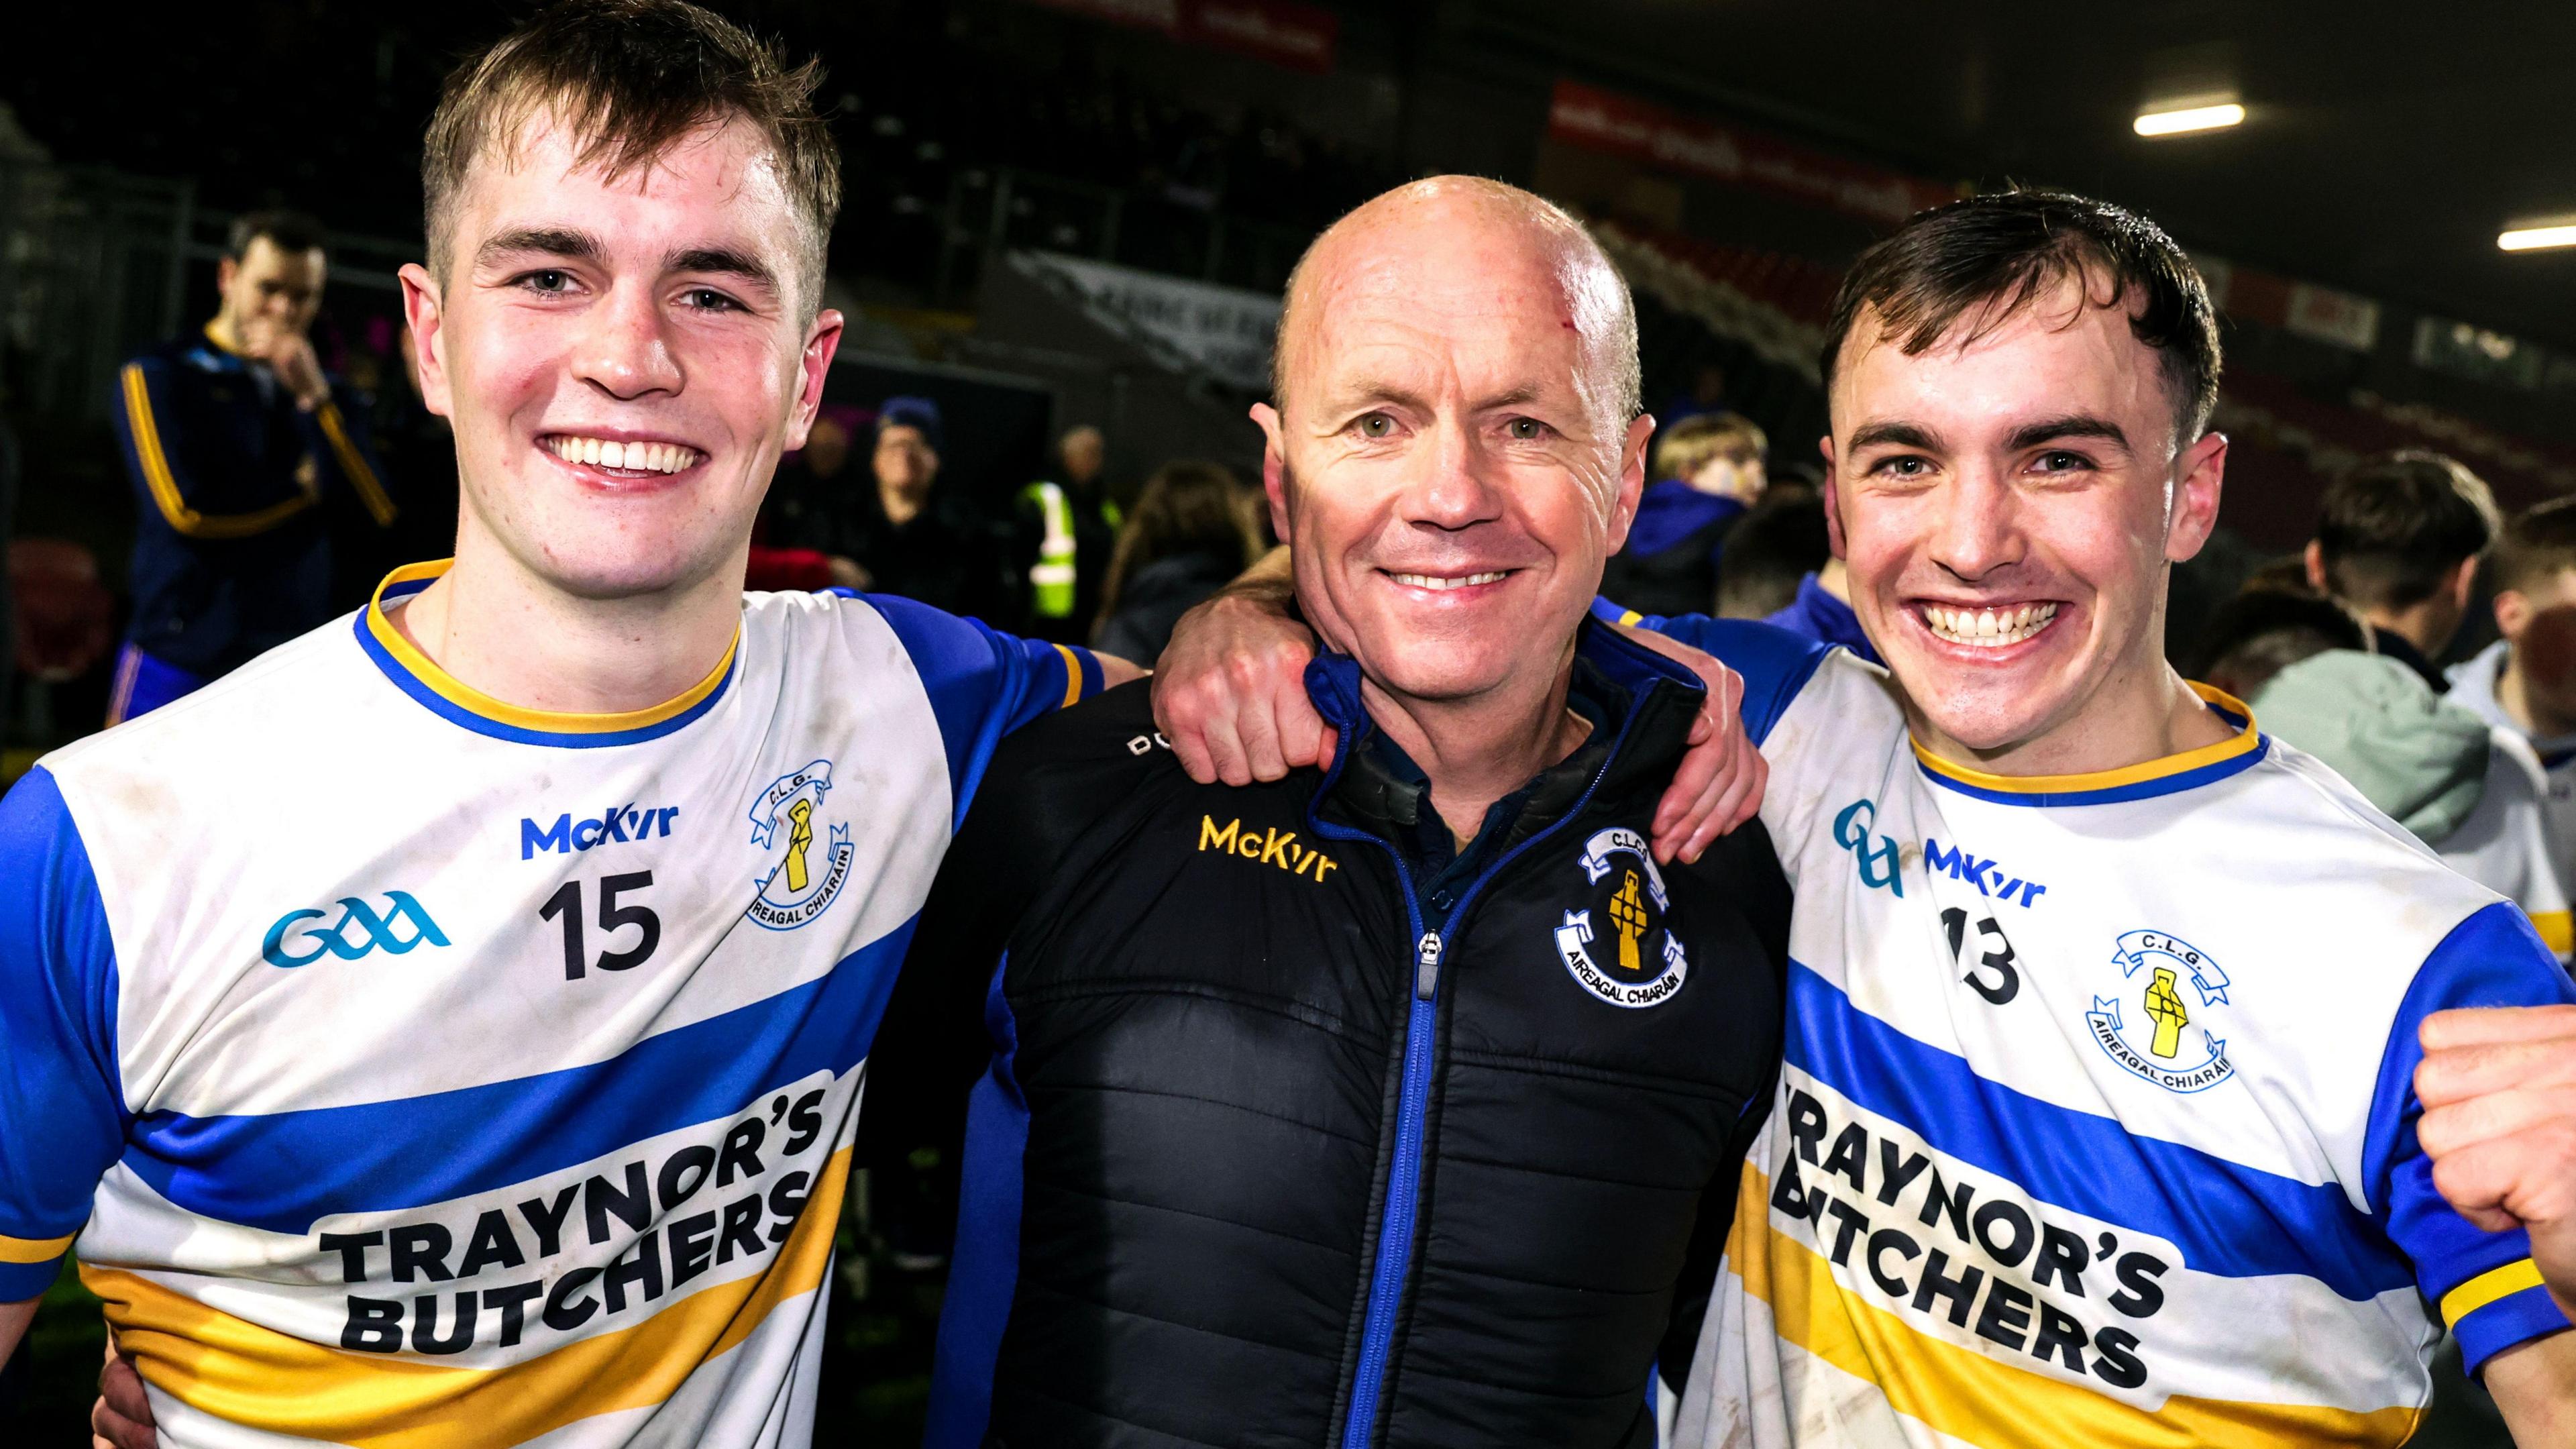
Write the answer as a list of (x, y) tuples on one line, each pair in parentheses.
[(2487, 1287), (465, 696), (33, 1250), (1982, 1401), (1628, 618), (264, 1379), (2557, 930), (1072, 677), (353, 466), (164, 487), (2228, 749)]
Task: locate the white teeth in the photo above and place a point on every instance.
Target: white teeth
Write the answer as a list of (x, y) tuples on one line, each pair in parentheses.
[(1436, 581), (634, 457), (1988, 628)]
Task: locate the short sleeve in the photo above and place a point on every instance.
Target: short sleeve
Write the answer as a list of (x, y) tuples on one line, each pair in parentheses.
[(1775, 663), (2484, 1285), (983, 683), (62, 1111)]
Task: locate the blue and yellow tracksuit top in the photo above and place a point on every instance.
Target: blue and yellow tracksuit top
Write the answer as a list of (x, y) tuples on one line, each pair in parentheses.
[(231, 555)]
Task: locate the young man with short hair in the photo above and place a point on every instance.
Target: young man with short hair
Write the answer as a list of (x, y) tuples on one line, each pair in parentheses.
[(2526, 681), (452, 1024), (2075, 1115), (235, 441), (2398, 540)]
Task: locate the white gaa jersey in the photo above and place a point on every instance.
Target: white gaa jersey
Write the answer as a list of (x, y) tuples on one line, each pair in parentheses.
[(2506, 844), (416, 1070), (2474, 684), (2096, 1120)]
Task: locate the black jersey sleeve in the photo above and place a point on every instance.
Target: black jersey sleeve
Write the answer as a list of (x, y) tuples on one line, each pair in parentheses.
[(1047, 786)]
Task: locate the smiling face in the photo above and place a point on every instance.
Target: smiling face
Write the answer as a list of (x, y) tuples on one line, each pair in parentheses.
[(2007, 509), (1453, 462), (624, 359)]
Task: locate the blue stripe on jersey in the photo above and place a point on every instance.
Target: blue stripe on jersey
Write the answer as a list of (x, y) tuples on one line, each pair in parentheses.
[(982, 683), (61, 1092), (2228, 1219), (283, 1171), (2494, 958), (1775, 663)]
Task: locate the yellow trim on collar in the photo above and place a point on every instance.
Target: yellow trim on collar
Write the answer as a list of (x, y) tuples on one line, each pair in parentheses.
[(220, 344), (2244, 740), (465, 696)]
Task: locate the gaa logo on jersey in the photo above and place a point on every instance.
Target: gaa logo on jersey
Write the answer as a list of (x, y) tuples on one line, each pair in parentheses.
[(801, 872), (2156, 1024), (1620, 947)]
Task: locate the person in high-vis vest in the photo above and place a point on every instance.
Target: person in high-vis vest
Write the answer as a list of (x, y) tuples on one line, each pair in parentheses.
[(1061, 537)]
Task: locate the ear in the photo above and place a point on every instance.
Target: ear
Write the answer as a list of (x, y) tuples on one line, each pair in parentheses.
[(1274, 468), (425, 311), (814, 368), (2512, 613), (2203, 466), (226, 268), (1833, 498), (2464, 583), (1632, 481), (2316, 557)]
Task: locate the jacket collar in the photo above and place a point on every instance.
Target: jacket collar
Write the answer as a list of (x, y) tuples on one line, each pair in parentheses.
[(1648, 703)]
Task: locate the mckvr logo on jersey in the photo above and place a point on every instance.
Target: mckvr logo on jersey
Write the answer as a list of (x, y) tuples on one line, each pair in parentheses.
[(2152, 1027), (359, 931), (1641, 961), (802, 873)]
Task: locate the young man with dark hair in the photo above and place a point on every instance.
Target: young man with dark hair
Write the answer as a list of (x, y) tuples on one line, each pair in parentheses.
[(453, 1023), (233, 436), (2526, 681), (2119, 1035), (2398, 539)]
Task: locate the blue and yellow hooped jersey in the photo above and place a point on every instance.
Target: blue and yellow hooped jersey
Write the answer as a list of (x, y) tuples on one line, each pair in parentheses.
[(411, 1068), (2097, 1118)]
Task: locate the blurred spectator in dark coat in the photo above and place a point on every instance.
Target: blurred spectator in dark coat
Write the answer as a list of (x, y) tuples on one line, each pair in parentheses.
[(232, 435), (910, 537), (1193, 530), (1708, 471), (810, 521)]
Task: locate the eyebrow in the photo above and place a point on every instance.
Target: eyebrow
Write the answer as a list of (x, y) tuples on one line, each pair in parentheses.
[(724, 261), (1898, 434), (553, 241), (2073, 425)]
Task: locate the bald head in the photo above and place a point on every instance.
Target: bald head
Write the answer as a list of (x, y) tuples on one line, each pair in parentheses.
[(1479, 243)]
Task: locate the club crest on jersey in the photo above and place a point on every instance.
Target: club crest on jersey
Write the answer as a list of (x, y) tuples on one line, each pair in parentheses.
[(2156, 1024), (1641, 962), (801, 872)]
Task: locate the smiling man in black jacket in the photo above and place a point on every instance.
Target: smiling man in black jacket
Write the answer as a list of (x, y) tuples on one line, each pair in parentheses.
[(1396, 1102)]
